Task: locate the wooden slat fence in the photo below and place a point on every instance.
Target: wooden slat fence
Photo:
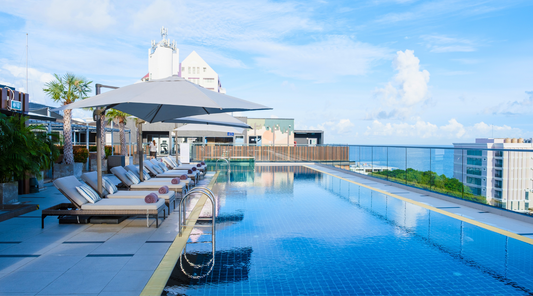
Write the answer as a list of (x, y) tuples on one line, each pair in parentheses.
[(273, 153)]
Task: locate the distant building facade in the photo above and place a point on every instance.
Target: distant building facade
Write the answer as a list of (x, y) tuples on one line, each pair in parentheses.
[(196, 70), (503, 177)]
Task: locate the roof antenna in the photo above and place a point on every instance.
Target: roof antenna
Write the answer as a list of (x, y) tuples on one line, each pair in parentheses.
[(164, 33)]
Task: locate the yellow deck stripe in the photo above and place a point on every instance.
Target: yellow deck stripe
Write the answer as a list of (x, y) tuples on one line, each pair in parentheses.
[(160, 277), (452, 215)]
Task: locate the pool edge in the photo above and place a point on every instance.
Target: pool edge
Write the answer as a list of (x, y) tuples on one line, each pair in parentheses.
[(159, 278)]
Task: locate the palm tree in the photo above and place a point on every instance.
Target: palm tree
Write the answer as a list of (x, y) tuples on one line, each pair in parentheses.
[(66, 90), (120, 118)]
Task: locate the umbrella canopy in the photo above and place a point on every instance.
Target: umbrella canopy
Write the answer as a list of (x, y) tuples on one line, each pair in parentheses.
[(209, 128), (165, 99), (211, 119)]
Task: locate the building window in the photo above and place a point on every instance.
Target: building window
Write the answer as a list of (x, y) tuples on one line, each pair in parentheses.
[(189, 70), (474, 181), (209, 80), (473, 161), (475, 190), (499, 163), (205, 69), (527, 195), (193, 70), (498, 173), (497, 194), (474, 152), (198, 70), (473, 171), (183, 69), (498, 184), (498, 153)]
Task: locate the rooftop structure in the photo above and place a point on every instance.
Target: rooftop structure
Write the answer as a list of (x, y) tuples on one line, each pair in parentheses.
[(163, 58)]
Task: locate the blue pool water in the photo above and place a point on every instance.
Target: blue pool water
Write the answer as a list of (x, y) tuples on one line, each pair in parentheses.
[(294, 231)]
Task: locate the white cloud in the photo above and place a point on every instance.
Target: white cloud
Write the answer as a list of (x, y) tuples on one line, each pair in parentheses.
[(452, 130), (467, 61), (425, 10), (78, 15), (321, 61), (442, 43), (408, 88), (512, 108), (17, 76), (342, 126)]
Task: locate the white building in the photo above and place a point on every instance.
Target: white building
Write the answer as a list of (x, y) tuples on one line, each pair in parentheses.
[(196, 70), (163, 61), (503, 177), (163, 58)]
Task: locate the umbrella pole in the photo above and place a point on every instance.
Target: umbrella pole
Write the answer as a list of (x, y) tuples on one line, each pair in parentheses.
[(96, 115), (140, 148), (176, 144)]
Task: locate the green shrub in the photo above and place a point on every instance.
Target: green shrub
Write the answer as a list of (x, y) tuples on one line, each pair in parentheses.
[(24, 149), (92, 148), (80, 154), (107, 151)]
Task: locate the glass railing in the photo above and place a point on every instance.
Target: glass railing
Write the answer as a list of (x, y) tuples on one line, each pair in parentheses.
[(477, 175)]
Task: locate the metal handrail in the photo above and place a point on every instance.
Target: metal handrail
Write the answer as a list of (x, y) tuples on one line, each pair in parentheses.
[(224, 159), (182, 222)]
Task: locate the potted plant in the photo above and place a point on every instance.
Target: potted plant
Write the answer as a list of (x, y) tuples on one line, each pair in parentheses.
[(24, 150)]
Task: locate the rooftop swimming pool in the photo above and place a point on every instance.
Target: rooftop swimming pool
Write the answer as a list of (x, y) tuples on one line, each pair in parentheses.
[(295, 231)]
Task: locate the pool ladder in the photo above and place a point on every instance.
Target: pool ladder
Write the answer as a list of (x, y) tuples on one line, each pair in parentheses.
[(224, 159), (182, 222)]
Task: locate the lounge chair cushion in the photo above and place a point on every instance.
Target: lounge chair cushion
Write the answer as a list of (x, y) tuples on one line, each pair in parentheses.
[(134, 179), (109, 186), (86, 191), (68, 186), (163, 166), (121, 174), (139, 194), (91, 178), (157, 169), (123, 204)]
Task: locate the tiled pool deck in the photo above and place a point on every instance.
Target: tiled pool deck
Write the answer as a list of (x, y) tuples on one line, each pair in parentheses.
[(120, 259)]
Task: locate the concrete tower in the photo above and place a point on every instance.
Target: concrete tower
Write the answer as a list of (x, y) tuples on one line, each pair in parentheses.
[(163, 58)]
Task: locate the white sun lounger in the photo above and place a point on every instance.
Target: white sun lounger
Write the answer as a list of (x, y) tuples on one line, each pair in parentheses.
[(91, 179), (170, 174), (79, 206), (135, 169)]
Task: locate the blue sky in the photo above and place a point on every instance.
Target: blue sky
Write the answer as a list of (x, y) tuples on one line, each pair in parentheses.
[(366, 72)]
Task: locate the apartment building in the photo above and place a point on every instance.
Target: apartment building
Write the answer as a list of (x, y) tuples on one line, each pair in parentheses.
[(504, 177), (196, 70)]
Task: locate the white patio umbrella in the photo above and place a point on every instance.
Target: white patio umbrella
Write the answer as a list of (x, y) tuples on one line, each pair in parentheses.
[(210, 128), (220, 119), (165, 99), (161, 99)]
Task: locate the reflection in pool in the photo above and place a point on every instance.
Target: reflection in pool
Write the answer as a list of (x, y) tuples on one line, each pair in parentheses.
[(292, 230)]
